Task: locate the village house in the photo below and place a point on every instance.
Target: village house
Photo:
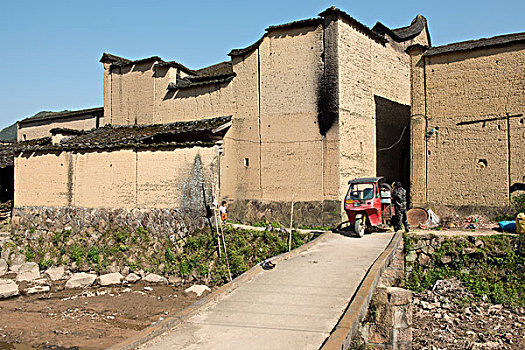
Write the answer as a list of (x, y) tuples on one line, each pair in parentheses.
[(40, 125), (291, 118), (467, 123)]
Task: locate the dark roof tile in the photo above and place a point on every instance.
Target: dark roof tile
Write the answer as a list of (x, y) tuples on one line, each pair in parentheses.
[(500, 40), (354, 22), (179, 134), (65, 114), (418, 24)]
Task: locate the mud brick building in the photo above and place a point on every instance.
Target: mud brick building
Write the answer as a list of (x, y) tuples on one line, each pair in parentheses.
[(39, 126), (311, 102), (467, 123), (290, 118)]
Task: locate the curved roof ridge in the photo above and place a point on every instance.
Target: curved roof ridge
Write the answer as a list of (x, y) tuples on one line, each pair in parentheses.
[(401, 34)]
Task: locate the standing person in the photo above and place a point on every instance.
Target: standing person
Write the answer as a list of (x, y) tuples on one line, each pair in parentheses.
[(223, 209), (399, 197)]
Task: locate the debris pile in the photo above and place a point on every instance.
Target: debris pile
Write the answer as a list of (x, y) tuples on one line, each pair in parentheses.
[(471, 222), (448, 317)]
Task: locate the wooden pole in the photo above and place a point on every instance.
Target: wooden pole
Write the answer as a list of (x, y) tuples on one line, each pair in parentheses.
[(291, 225)]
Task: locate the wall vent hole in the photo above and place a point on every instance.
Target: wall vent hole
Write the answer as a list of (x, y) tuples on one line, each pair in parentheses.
[(482, 164), (246, 162)]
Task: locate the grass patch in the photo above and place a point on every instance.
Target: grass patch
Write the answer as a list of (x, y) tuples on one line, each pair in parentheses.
[(494, 267)]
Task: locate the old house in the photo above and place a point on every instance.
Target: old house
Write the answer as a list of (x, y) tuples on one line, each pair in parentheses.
[(40, 125), (292, 117), (467, 123)]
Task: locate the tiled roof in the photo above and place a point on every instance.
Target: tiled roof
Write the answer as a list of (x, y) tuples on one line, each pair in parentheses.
[(197, 81), (176, 65), (66, 114), (311, 21), (300, 23), (354, 22), (204, 132), (109, 58), (500, 40), (402, 34), (223, 68), (8, 150)]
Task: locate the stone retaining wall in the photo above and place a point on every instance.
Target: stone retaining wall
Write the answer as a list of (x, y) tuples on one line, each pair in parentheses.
[(310, 213), (35, 221), (388, 323)]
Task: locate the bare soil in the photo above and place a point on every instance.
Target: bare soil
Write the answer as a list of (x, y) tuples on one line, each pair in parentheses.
[(447, 317), (94, 318)]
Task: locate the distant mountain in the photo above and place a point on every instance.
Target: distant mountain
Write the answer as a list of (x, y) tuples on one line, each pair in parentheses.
[(8, 133)]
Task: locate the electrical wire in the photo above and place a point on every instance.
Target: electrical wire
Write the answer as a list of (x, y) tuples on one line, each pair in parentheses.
[(398, 141)]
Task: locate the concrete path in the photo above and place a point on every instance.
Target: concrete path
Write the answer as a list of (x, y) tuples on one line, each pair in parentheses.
[(294, 306)]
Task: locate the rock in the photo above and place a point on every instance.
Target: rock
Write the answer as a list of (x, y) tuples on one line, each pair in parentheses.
[(3, 267), (55, 273), (424, 259), (8, 288), (132, 278), (154, 278), (411, 256), (428, 250), (445, 259), (197, 289), (81, 279), (174, 279), (469, 250), (125, 270), (148, 289), (28, 272), (17, 261), (110, 279), (113, 269), (37, 289), (479, 244), (6, 251)]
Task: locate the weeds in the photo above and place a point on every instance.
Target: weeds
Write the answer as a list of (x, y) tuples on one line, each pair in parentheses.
[(495, 268)]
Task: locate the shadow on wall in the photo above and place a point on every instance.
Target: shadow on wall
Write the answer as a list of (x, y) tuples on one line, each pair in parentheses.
[(392, 140), (194, 91)]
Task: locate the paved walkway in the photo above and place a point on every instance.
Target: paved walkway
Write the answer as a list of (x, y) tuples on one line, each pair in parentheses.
[(294, 306)]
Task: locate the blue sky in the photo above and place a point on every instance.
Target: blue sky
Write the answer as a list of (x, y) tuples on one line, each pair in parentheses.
[(50, 49)]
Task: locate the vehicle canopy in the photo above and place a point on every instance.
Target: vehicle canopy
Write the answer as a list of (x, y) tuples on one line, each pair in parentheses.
[(363, 180)]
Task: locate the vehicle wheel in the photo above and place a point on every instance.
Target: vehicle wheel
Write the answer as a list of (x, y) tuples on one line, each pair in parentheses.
[(359, 227)]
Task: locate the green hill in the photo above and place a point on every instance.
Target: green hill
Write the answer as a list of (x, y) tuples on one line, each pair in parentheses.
[(8, 133)]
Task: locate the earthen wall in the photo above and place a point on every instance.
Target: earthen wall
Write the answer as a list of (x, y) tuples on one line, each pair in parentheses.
[(475, 141), (374, 93), (36, 130), (129, 178)]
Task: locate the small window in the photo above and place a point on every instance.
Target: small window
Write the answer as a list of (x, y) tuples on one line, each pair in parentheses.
[(24, 137), (246, 162)]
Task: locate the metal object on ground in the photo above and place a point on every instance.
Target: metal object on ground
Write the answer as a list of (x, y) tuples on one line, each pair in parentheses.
[(417, 216)]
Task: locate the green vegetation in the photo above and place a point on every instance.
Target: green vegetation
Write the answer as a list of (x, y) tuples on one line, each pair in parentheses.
[(492, 266), (8, 133), (518, 206), (194, 256)]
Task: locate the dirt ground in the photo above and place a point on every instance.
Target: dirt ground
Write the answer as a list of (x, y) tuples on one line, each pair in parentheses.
[(86, 319), (447, 318)]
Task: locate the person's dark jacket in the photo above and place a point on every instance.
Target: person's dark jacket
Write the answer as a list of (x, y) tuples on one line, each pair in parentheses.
[(399, 197)]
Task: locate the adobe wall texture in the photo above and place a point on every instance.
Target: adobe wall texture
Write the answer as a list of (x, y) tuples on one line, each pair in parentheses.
[(374, 100), (131, 94), (473, 101), (204, 101), (121, 179), (36, 130)]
